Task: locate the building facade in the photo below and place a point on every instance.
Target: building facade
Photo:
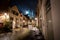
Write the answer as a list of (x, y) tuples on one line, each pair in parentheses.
[(12, 15), (49, 18)]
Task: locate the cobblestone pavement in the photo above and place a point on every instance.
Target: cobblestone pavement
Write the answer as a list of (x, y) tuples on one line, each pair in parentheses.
[(20, 35), (14, 35), (5, 36)]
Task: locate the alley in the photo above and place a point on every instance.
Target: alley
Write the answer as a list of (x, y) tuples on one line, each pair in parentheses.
[(29, 19), (17, 34), (14, 35)]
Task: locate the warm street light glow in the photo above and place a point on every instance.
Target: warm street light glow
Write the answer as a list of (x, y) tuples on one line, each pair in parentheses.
[(23, 20), (6, 15), (13, 24), (32, 21), (35, 18), (2, 18)]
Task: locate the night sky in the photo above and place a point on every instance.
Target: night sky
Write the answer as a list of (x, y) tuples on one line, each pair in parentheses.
[(26, 5)]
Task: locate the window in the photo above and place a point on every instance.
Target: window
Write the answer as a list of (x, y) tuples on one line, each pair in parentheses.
[(15, 13)]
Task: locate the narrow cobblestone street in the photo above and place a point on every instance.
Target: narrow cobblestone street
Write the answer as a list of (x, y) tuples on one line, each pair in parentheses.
[(14, 35), (29, 19)]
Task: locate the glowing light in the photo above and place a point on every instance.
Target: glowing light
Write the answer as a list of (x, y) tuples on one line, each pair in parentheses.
[(23, 20), (27, 12), (6, 15), (35, 18)]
